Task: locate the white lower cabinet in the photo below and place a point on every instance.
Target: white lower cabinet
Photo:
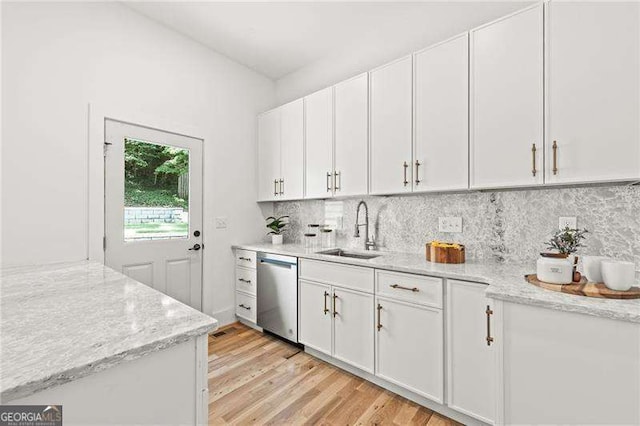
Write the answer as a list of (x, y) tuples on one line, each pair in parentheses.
[(353, 328), (471, 362), (409, 347), (314, 316)]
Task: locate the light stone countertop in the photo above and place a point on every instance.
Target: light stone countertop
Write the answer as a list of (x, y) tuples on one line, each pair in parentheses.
[(64, 321), (505, 281)]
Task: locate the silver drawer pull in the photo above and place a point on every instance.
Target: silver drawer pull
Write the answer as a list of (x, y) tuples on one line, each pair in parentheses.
[(244, 281), (248, 308), (398, 286), (248, 259)]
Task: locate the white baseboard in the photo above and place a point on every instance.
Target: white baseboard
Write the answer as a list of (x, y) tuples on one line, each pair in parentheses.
[(418, 399), (225, 316)]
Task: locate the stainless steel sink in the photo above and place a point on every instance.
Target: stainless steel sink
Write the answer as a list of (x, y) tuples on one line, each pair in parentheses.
[(344, 253)]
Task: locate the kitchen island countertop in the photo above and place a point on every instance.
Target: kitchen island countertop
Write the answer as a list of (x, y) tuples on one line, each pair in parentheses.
[(64, 321)]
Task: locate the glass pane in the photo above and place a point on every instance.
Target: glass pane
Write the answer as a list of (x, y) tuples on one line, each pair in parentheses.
[(156, 191)]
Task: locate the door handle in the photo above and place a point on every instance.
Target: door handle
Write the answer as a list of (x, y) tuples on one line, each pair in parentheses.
[(379, 325), (398, 286), (533, 160), (196, 247), (275, 187), (555, 157), (326, 310), (282, 186), (417, 170), (337, 181), (489, 312), (328, 182), (243, 306), (335, 313), (244, 281)]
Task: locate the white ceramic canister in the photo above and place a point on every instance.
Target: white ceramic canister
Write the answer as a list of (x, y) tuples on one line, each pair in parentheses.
[(555, 271)]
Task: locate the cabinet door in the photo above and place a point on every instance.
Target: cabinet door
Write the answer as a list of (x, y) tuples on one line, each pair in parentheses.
[(314, 316), (318, 118), (441, 144), (353, 331), (507, 101), (268, 155), (593, 91), (569, 368), (292, 150), (390, 156), (351, 101), (409, 347), (471, 361)]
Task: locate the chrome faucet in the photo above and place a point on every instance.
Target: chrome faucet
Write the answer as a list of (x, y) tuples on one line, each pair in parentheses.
[(369, 242)]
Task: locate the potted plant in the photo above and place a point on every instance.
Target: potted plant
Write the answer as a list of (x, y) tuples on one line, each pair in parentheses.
[(559, 265), (277, 226)]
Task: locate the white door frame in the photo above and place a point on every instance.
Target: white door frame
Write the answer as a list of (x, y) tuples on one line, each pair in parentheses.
[(97, 114)]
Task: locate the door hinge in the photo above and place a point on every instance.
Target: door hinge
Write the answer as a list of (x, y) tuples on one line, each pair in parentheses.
[(104, 243)]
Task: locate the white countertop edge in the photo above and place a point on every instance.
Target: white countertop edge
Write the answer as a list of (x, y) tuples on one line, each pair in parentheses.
[(105, 363)]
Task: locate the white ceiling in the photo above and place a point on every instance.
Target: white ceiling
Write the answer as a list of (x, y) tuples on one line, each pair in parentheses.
[(278, 38)]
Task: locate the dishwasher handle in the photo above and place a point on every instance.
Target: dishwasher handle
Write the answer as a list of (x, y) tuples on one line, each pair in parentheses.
[(277, 262)]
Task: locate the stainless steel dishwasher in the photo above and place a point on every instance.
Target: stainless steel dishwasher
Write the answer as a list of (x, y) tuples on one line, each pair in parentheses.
[(278, 295)]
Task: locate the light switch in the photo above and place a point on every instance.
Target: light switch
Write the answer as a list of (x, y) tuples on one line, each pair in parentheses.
[(221, 222)]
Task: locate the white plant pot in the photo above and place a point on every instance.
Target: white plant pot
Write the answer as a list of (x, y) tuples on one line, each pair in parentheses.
[(276, 239)]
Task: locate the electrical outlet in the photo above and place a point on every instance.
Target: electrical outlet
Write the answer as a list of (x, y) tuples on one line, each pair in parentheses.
[(221, 222), (568, 221), (450, 224)]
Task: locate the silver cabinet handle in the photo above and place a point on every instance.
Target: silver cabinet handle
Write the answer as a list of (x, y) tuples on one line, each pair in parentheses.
[(248, 308), (417, 170), (399, 287), (338, 178), (405, 165), (379, 325), (281, 186), (555, 157), (533, 160), (328, 182), (489, 312), (275, 187)]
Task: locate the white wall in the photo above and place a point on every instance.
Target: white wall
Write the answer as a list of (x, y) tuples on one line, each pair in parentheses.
[(59, 57), (384, 44)]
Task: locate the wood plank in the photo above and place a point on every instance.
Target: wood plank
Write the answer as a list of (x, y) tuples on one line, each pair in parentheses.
[(256, 378)]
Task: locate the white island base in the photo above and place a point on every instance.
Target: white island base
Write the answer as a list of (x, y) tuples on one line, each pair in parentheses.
[(168, 386)]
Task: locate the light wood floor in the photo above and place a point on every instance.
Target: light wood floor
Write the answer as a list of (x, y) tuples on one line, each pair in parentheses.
[(255, 378)]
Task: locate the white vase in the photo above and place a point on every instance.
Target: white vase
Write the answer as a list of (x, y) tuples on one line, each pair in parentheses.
[(276, 239)]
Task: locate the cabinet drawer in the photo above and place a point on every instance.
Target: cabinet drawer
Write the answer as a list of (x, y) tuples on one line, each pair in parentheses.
[(246, 258), (354, 277), (246, 306), (246, 280), (412, 288)]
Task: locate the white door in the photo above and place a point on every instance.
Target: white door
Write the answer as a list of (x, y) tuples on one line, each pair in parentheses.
[(353, 328), (409, 347), (593, 91), (441, 145), (158, 246), (351, 103), (292, 150), (391, 109), (507, 102), (269, 155), (471, 360), (314, 316), (318, 128)]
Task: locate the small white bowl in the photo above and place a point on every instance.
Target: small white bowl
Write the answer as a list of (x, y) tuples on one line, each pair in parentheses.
[(618, 275), (592, 267)]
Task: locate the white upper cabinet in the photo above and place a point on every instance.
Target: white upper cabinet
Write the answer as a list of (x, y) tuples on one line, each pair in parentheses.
[(318, 119), (507, 101), (593, 94), (441, 117), (292, 150), (268, 155), (351, 103), (390, 168)]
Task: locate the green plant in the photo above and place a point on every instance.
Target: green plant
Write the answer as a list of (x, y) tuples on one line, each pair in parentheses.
[(277, 225), (567, 240)]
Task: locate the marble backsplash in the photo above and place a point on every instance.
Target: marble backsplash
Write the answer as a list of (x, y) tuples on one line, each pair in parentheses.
[(508, 226)]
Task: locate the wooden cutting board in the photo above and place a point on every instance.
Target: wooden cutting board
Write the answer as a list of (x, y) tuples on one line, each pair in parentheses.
[(584, 288)]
